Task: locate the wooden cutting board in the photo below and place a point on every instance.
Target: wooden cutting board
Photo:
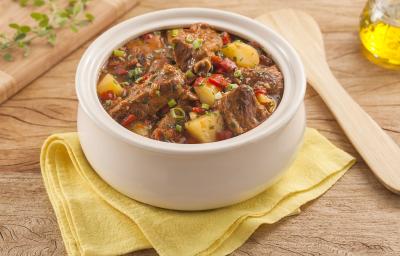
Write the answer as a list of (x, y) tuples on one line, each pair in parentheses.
[(17, 74)]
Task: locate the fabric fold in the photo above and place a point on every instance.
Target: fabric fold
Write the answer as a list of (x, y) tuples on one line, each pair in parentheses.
[(95, 219)]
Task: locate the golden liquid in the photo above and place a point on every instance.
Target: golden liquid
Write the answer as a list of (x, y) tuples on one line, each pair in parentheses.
[(380, 39)]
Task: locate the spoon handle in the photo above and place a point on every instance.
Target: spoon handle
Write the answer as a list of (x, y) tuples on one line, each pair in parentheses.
[(379, 151)]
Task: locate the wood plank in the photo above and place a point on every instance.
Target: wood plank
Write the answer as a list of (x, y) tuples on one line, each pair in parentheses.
[(356, 217), (16, 74)]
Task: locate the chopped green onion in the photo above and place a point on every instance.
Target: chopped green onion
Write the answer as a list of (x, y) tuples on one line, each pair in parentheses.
[(237, 73), (178, 128), (171, 103), (119, 53), (177, 113), (135, 73), (189, 74), (189, 39), (197, 43), (205, 106), (231, 87), (174, 32), (158, 93), (218, 95)]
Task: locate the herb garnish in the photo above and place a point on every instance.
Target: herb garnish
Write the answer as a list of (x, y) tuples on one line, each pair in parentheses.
[(54, 18)]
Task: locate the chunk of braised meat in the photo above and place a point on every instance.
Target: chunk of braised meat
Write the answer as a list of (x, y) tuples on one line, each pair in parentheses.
[(140, 53), (148, 97), (146, 49), (203, 66), (187, 99), (194, 47), (157, 65), (241, 110), (261, 76), (266, 60), (166, 130)]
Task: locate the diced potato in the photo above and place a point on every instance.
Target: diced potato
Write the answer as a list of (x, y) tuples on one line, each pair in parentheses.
[(141, 128), (193, 115), (243, 54), (108, 83), (206, 127), (267, 101), (206, 93), (262, 98)]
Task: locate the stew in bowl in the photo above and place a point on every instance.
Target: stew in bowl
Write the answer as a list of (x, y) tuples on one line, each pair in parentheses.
[(190, 85), (190, 75)]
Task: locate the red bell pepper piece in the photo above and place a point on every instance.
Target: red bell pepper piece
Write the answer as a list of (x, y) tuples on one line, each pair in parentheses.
[(228, 65), (223, 65), (260, 90), (198, 110), (128, 120), (226, 38), (198, 81), (216, 60), (108, 95), (225, 134), (218, 80)]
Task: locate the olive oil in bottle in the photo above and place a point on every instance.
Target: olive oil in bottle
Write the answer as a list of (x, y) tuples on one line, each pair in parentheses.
[(380, 32)]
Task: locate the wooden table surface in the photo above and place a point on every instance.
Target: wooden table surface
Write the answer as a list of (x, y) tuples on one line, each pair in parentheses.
[(358, 216)]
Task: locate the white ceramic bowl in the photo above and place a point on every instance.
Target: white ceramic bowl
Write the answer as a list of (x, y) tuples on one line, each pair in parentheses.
[(192, 176)]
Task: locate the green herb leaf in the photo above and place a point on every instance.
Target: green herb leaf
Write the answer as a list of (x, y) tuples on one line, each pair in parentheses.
[(89, 17), (51, 38), (44, 22), (54, 17), (36, 16), (19, 36), (14, 26), (135, 73), (23, 3), (77, 9), (74, 28), (25, 29), (38, 3), (8, 57)]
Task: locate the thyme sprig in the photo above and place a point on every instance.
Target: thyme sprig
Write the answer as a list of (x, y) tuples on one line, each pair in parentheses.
[(55, 17)]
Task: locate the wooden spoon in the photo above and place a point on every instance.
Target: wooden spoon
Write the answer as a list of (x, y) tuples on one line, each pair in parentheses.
[(379, 151)]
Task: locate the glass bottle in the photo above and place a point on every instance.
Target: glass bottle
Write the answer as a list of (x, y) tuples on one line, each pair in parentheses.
[(380, 32)]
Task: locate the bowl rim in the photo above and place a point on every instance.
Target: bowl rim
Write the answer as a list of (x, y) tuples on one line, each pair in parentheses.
[(281, 51)]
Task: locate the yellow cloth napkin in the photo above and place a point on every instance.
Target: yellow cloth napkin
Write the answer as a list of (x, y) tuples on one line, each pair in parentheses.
[(95, 219)]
